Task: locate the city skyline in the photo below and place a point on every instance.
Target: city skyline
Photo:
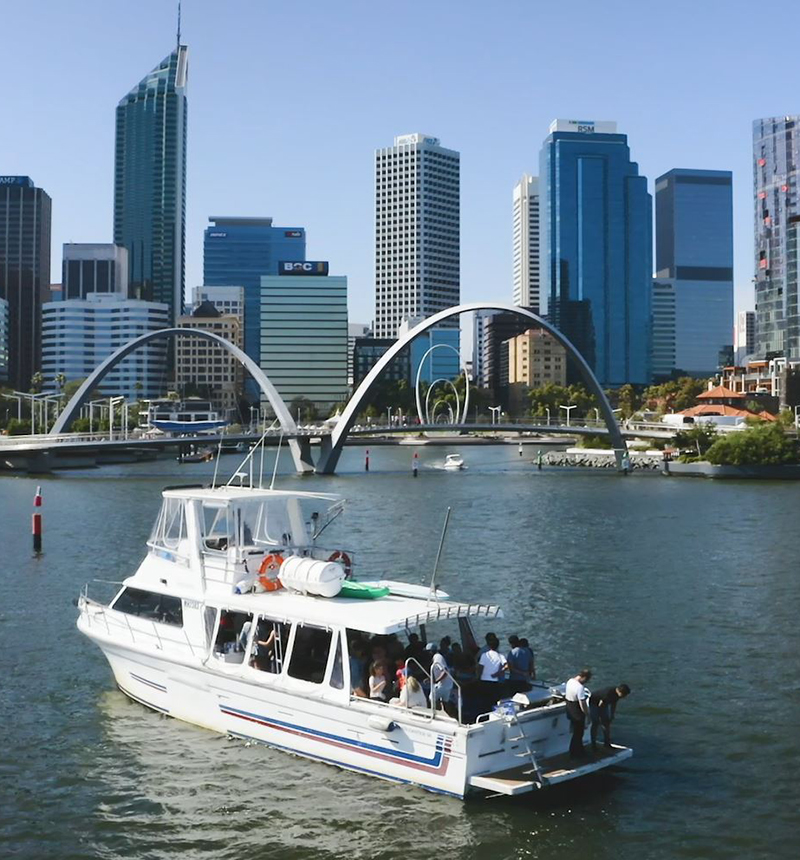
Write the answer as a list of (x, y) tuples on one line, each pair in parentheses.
[(644, 93)]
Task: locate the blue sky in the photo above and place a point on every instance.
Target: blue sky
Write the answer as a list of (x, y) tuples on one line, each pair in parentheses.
[(288, 100)]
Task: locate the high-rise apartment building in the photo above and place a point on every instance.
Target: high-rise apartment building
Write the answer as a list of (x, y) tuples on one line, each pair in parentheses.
[(25, 213), (744, 336), (597, 248), (525, 245), (354, 332), (434, 354), (93, 268), (776, 159), (241, 250), (79, 334), (663, 362), (535, 359), (417, 231), (204, 369), (304, 335), (694, 253), (497, 329), (150, 182)]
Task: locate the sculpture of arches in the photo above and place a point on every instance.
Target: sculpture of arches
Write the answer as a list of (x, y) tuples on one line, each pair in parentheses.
[(419, 373), (331, 451), (72, 409), (426, 417)]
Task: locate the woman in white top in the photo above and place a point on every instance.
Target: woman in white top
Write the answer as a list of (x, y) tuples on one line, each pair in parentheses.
[(412, 694)]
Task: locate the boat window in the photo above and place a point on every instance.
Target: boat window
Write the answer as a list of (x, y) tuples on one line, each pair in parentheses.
[(337, 670), (148, 604), (216, 527), (309, 656), (233, 630), (265, 523), (209, 622), (169, 531), (269, 645)]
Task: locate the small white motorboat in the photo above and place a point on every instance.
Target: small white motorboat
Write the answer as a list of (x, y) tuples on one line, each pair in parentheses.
[(454, 462)]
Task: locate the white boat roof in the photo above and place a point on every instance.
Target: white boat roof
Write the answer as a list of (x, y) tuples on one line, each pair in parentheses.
[(236, 493), (390, 614)]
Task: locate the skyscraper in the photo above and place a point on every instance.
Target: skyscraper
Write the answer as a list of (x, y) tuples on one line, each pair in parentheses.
[(694, 253), (93, 268), (597, 235), (525, 226), (304, 335), (241, 250), (24, 272), (417, 231), (150, 182), (744, 336), (776, 158)]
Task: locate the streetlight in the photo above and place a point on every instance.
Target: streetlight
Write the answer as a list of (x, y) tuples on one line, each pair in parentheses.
[(389, 417), (568, 409), (495, 410), (547, 410), (112, 402), (91, 412), (596, 414), (18, 398)]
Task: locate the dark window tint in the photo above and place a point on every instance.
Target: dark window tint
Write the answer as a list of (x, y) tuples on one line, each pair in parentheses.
[(148, 604), (309, 655)]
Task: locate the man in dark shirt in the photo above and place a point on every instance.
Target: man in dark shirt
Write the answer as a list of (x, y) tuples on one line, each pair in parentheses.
[(602, 708)]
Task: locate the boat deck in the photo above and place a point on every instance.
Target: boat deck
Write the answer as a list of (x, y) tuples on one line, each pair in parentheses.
[(560, 768)]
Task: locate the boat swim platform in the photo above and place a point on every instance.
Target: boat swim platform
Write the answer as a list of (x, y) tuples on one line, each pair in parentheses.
[(560, 768)]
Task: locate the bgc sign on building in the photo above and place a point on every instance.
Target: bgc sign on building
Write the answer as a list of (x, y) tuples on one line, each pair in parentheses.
[(306, 267)]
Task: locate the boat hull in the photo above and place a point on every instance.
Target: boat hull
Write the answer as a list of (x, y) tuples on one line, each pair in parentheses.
[(409, 750)]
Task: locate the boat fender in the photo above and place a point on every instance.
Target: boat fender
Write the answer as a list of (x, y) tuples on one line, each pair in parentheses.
[(244, 586), (344, 559), (268, 572), (382, 724)]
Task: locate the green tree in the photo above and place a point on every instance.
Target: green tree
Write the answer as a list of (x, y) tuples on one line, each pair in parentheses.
[(695, 441), (37, 380), (304, 408), (674, 395), (15, 427), (762, 444)]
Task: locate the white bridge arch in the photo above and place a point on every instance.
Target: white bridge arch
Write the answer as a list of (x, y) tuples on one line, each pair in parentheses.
[(332, 446), (300, 450)]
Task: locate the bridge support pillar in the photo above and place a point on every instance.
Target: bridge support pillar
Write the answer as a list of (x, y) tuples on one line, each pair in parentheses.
[(301, 453), (328, 457)]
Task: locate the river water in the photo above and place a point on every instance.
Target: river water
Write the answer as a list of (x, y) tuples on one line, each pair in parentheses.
[(688, 590)]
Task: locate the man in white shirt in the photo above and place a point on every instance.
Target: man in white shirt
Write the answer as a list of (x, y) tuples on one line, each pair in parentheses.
[(577, 696), (491, 663)]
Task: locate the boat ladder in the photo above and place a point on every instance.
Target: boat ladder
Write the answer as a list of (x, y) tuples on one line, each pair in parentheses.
[(514, 724)]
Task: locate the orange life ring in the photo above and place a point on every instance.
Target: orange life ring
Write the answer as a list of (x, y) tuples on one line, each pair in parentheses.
[(268, 572), (346, 561)]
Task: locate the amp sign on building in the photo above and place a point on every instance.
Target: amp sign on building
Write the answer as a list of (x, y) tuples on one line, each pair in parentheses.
[(303, 267)]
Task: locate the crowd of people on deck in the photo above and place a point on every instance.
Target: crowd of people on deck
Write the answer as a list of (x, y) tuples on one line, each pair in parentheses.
[(382, 668)]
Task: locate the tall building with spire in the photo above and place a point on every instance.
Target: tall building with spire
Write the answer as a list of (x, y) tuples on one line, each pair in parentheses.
[(150, 182)]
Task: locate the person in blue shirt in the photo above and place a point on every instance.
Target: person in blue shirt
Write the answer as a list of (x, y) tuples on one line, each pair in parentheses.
[(520, 665)]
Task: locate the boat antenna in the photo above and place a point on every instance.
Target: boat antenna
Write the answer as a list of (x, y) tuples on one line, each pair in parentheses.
[(216, 462), (277, 457), (432, 590), (249, 456)]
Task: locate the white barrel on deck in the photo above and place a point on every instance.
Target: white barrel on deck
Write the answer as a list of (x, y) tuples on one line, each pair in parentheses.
[(312, 576)]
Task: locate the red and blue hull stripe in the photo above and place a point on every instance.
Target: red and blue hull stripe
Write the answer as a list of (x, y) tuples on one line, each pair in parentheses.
[(435, 764)]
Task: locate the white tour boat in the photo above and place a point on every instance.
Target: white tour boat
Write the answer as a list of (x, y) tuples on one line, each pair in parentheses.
[(454, 462), (239, 621)]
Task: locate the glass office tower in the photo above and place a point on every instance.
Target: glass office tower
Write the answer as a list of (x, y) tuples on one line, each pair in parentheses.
[(597, 248), (24, 273), (241, 250), (150, 182), (694, 253), (776, 158)]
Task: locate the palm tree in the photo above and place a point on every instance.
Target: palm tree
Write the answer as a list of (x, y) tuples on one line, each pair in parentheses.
[(37, 380), (60, 380)]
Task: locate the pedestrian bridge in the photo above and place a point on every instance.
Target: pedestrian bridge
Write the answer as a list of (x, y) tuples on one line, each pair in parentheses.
[(332, 438)]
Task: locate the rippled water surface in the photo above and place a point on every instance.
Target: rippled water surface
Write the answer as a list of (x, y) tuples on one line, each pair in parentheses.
[(689, 590)]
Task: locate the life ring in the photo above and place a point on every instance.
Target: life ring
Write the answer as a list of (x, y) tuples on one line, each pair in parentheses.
[(347, 563), (268, 572)]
